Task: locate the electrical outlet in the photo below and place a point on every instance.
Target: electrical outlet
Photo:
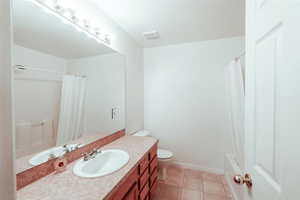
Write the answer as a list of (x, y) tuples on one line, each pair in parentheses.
[(114, 113)]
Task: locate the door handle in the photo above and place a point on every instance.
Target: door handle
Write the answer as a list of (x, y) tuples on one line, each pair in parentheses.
[(240, 180)]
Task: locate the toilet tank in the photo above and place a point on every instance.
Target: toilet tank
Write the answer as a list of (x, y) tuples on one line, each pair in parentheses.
[(142, 133)]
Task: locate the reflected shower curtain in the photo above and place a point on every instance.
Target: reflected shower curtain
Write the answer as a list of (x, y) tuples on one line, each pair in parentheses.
[(236, 96), (71, 123)]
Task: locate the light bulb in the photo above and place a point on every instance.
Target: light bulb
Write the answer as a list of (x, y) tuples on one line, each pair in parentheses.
[(78, 29), (99, 41), (97, 32), (39, 1), (88, 34), (70, 14), (59, 9), (107, 38), (86, 24), (50, 3)]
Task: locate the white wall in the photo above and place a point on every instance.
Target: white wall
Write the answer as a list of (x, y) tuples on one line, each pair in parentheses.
[(37, 59), (105, 90), (185, 101), (125, 45), (37, 98), (7, 180)]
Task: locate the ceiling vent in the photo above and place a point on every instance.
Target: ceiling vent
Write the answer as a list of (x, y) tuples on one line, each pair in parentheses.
[(151, 35)]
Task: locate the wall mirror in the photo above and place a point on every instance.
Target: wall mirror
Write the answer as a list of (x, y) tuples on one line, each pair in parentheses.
[(66, 86)]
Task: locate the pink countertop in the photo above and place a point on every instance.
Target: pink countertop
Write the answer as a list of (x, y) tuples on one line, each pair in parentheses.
[(22, 163), (67, 186)]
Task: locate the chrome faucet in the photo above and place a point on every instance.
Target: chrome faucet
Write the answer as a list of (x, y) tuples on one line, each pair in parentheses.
[(91, 155), (68, 149)]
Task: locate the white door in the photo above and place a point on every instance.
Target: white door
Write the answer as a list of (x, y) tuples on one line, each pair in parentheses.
[(272, 123)]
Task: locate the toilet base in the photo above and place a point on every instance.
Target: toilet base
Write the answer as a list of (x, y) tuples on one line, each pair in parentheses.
[(163, 168)]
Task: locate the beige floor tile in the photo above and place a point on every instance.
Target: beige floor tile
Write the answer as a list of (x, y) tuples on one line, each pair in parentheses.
[(188, 194), (187, 184), (211, 177), (190, 173), (170, 192), (193, 183), (215, 197), (223, 180), (174, 176), (213, 188), (227, 191)]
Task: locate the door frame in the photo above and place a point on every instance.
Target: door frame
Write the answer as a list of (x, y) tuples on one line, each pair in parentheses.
[(7, 172)]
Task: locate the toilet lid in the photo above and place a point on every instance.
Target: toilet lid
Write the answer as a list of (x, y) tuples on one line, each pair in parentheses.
[(164, 154), (142, 133)]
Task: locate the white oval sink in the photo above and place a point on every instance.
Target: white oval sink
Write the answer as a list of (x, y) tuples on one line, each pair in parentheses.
[(106, 162), (44, 156)]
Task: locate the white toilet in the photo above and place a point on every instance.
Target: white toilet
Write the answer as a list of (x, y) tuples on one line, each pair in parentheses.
[(163, 155)]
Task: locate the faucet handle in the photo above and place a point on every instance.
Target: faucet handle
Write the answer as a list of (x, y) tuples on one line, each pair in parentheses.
[(66, 148), (99, 150), (78, 146), (85, 154)]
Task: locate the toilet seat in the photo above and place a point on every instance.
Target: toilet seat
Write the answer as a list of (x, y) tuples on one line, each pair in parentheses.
[(164, 154)]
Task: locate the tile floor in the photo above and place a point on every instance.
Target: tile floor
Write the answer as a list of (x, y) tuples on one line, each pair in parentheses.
[(187, 184)]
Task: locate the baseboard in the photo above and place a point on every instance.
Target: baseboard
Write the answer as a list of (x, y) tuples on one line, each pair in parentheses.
[(199, 167)]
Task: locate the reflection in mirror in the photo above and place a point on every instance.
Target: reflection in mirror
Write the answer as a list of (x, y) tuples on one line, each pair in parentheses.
[(67, 87)]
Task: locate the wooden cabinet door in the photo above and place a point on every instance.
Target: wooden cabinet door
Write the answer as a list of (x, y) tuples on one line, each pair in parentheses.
[(132, 193)]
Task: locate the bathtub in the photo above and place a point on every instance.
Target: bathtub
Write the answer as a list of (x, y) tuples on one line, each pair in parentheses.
[(231, 169)]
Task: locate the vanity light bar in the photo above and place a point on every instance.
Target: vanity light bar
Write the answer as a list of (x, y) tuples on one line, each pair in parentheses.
[(67, 16)]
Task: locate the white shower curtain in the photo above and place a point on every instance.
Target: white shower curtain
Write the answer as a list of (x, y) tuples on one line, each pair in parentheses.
[(71, 123), (236, 96)]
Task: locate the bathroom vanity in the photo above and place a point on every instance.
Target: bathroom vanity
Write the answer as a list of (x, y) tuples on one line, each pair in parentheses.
[(141, 183), (137, 180)]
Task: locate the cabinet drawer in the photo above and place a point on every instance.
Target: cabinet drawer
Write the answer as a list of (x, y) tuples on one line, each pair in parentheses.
[(153, 177), (144, 193), (132, 194), (147, 197), (153, 165), (143, 165), (126, 186), (143, 179), (153, 152), (153, 189)]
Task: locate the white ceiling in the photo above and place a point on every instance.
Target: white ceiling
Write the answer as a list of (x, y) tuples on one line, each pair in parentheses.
[(177, 21), (35, 29)]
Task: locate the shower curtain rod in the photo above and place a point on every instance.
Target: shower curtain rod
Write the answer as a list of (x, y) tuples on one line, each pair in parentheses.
[(24, 68)]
